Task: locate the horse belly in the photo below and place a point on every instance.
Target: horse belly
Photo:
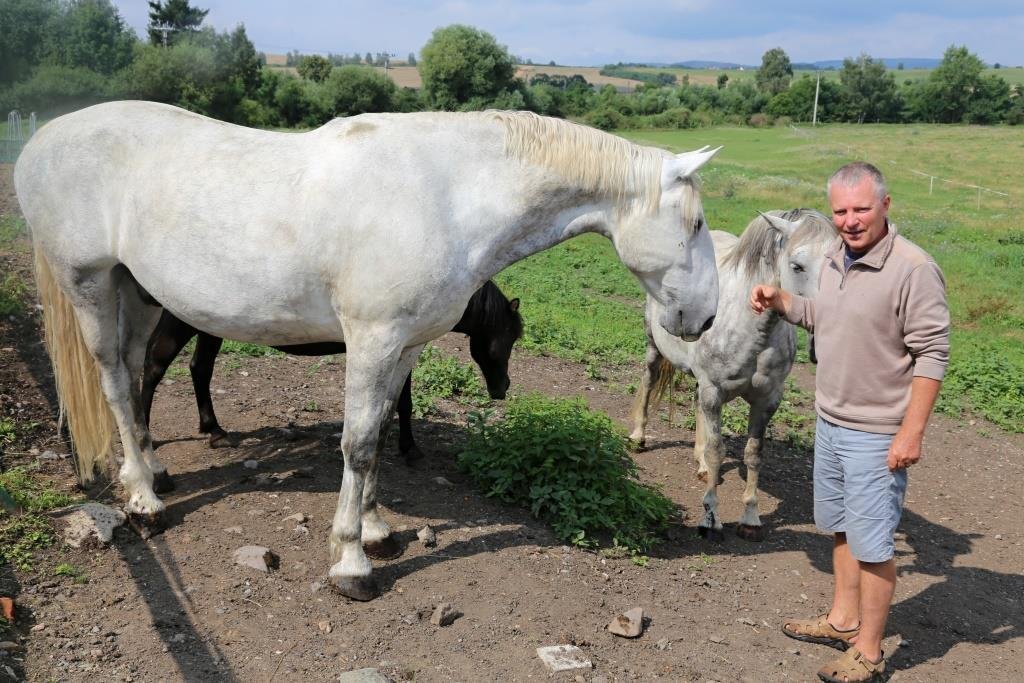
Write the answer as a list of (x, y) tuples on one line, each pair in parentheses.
[(264, 308)]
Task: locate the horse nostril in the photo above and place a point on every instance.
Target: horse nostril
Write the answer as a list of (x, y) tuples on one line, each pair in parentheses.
[(707, 325)]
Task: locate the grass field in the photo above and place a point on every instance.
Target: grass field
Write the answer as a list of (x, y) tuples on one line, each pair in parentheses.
[(579, 302)]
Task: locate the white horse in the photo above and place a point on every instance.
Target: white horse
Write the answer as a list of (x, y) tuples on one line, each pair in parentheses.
[(373, 230), (744, 354)]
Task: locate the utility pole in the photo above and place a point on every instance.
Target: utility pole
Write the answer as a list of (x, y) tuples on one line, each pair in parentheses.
[(817, 89), (164, 29)]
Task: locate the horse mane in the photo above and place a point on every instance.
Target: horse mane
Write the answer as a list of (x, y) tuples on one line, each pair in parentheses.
[(759, 247), (487, 309), (599, 162)]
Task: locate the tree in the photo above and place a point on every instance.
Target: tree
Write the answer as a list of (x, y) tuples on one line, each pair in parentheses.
[(722, 80), (775, 73), (369, 59), (868, 91), (411, 59), (314, 68), (798, 102), (176, 15), (91, 34), (461, 63), (24, 25), (956, 92), (354, 90)]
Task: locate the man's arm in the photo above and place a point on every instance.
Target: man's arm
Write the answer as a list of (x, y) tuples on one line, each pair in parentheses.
[(905, 449)]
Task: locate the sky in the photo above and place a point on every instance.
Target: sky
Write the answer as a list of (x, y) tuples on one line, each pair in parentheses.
[(597, 32)]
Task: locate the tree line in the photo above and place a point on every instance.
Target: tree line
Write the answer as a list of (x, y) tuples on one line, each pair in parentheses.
[(58, 55)]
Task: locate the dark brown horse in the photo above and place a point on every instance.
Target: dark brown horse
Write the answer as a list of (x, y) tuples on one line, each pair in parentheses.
[(491, 321)]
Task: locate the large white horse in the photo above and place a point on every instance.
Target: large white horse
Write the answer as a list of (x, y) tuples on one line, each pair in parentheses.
[(743, 355), (373, 230)]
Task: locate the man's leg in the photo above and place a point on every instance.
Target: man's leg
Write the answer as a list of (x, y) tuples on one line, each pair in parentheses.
[(877, 585), (846, 601)]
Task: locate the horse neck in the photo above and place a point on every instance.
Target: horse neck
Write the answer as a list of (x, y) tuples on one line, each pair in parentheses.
[(474, 318), (540, 230), (736, 285)]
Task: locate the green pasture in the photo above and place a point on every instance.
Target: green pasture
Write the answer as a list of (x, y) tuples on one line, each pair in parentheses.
[(580, 303)]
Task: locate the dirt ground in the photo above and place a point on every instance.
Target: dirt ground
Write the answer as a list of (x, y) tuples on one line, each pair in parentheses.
[(176, 608)]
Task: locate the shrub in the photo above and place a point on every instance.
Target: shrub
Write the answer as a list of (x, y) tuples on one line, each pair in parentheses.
[(439, 376), (570, 465), (605, 118), (759, 120)]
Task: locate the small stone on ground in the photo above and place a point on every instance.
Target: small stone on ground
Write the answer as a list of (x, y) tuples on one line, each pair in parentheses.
[(427, 536), (444, 614), (257, 557), (91, 521), (364, 676), (563, 658), (628, 624)]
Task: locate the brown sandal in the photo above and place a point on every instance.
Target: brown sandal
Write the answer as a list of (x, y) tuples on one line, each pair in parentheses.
[(820, 631), (853, 667)]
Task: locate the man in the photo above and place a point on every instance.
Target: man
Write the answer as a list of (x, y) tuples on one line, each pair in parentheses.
[(881, 331)]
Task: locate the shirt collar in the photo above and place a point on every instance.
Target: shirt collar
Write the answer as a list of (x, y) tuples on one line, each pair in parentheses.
[(876, 256)]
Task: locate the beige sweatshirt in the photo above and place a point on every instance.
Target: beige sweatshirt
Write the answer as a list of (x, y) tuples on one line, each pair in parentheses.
[(876, 327)]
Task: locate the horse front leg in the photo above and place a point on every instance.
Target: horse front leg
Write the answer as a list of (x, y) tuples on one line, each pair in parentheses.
[(712, 451), (654, 365), (761, 412), (376, 536), (201, 369), (406, 442), (369, 379)]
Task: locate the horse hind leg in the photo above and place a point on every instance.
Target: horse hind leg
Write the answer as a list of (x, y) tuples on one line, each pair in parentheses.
[(107, 331), (750, 527), (138, 315)]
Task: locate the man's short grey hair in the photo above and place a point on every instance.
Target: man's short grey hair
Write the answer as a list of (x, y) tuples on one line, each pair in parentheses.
[(851, 174)]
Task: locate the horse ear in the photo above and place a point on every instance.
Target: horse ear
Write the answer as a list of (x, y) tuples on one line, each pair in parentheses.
[(514, 304), (684, 165), (784, 226)]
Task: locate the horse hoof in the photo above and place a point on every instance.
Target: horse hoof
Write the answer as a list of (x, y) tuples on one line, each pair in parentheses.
[(147, 526), (751, 533), (360, 588), (163, 482), (413, 455), (218, 439), (386, 548), (638, 445), (713, 535)]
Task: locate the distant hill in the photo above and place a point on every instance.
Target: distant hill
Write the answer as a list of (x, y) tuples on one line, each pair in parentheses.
[(703, 64)]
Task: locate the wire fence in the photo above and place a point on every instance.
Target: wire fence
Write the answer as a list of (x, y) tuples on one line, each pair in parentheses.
[(15, 136)]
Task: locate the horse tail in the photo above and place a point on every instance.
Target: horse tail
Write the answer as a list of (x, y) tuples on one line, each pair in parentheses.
[(660, 381), (664, 373), (76, 375)]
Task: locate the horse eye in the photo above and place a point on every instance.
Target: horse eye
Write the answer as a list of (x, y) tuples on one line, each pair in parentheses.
[(797, 268)]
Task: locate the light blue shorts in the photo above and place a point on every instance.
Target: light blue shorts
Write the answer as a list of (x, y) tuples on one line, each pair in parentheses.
[(854, 491)]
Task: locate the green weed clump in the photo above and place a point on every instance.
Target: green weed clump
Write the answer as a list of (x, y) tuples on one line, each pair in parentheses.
[(22, 534), (981, 380), (12, 294), (439, 376), (571, 466)]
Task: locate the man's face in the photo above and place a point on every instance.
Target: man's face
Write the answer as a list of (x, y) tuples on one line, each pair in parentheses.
[(858, 214)]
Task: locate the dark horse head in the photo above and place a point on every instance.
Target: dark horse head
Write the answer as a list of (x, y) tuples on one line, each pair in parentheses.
[(493, 324)]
